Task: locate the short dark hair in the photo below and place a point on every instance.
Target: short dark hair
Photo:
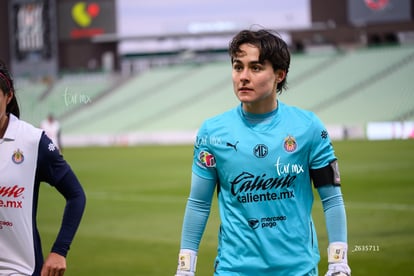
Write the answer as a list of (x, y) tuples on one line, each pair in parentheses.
[(271, 47), (7, 86)]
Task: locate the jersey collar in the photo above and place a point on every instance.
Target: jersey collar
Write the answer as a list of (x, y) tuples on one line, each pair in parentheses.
[(10, 133)]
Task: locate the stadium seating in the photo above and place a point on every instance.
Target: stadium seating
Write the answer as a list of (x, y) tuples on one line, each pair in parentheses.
[(343, 77), (28, 94), (71, 92), (388, 97), (343, 88), (130, 102)]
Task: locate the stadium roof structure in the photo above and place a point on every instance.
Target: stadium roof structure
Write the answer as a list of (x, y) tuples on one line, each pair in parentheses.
[(114, 37)]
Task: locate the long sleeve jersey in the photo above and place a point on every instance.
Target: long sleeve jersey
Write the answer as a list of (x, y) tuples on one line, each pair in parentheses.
[(27, 158), (263, 167)]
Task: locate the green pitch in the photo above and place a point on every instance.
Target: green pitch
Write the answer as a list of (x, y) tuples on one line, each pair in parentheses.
[(136, 198)]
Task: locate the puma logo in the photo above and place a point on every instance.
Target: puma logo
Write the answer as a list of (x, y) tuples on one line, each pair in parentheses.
[(234, 146)]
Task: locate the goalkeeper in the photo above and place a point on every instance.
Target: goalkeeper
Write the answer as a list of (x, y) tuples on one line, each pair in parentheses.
[(264, 158)]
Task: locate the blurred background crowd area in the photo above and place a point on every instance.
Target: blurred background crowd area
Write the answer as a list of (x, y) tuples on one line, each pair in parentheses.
[(130, 72)]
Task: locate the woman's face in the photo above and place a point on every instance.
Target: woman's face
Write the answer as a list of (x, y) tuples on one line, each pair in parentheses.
[(255, 83), (4, 101)]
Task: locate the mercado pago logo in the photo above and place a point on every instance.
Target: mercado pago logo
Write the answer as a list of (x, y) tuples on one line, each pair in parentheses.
[(83, 13)]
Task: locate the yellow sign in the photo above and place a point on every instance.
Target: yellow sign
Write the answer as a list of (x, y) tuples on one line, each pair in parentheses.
[(83, 13)]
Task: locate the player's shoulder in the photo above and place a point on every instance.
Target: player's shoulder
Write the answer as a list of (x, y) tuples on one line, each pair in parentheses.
[(24, 130), (221, 119), (297, 113)]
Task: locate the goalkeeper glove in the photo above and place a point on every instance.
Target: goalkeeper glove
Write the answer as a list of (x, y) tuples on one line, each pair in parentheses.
[(337, 260), (187, 261)]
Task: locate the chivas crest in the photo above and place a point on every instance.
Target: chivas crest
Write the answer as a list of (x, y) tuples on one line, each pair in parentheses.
[(18, 157), (290, 144)]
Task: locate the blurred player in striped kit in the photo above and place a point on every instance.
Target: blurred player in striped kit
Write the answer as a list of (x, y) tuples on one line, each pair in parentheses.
[(264, 158), (27, 158)]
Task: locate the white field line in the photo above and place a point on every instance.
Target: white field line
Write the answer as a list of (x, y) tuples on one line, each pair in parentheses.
[(380, 206), (178, 199), (134, 197)]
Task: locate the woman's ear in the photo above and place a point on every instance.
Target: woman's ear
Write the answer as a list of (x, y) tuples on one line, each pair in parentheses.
[(280, 75), (9, 96)]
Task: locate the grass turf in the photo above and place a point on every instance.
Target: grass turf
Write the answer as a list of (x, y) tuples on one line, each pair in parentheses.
[(136, 198)]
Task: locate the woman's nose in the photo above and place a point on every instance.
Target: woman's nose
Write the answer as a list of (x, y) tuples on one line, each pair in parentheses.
[(244, 76)]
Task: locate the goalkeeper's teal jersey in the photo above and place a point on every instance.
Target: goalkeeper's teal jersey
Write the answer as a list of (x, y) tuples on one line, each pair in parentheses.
[(261, 165)]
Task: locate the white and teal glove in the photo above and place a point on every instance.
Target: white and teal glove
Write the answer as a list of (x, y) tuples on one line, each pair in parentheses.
[(338, 260), (187, 262)]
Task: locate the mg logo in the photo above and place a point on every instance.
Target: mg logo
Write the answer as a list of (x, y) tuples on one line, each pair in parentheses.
[(260, 151)]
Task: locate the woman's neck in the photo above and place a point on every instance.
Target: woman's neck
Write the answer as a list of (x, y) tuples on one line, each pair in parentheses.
[(261, 107), (4, 121)]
